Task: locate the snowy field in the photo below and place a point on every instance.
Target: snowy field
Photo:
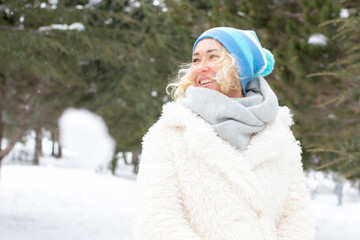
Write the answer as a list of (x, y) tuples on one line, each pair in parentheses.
[(51, 203), (45, 202), (66, 199)]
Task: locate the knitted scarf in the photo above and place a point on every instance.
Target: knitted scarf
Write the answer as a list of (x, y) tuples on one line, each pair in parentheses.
[(234, 119)]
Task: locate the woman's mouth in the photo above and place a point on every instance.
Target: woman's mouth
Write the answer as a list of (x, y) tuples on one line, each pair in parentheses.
[(205, 81)]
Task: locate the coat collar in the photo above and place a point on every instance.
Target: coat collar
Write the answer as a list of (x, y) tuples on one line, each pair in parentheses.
[(221, 157), (201, 136)]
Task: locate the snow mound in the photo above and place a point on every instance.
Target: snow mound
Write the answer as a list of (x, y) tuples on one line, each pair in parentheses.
[(86, 133)]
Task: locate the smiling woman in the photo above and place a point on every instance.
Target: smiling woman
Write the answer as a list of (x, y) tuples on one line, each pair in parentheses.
[(222, 162), (222, 66), (214, 68)]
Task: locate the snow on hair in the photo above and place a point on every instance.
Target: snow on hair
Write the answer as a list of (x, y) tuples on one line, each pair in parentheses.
[(227, 76)]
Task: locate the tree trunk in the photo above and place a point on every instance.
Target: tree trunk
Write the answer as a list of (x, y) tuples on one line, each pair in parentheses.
[(55, 136), (53, 140), (1, 130), (1, 127), (126, 160), (113, 164), (2, 89), (59, 150), (38, 145), (135, 160)]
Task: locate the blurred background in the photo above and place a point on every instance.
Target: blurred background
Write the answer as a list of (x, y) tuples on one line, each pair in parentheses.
[(81, 81)]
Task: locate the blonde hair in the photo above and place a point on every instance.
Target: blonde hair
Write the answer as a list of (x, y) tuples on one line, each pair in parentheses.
[(227, 76)]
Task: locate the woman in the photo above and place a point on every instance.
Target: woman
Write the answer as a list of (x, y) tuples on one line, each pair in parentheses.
[(222, 162)]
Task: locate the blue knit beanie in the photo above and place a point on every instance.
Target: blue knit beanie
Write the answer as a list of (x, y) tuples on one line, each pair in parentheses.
[(253, 60)]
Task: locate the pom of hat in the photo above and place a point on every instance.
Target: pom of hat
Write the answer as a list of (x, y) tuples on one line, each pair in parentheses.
[(270, 63)]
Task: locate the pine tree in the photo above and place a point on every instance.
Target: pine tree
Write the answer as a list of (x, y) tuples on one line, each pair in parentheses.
[(119, 65), (42, 69), (343, 100)]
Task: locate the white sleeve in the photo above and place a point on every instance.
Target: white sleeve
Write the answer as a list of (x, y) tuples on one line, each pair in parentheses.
[(159, 212), (296, 222)]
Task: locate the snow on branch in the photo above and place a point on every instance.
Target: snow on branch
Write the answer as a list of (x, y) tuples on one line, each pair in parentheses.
[(318, 39), (63, 27)]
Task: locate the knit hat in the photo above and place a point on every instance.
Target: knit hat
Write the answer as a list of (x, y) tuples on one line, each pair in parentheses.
[(252, 59)]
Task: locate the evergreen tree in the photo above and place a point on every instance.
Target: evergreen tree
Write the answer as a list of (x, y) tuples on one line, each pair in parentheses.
[(119, 65), (344, 99), (42, 67)]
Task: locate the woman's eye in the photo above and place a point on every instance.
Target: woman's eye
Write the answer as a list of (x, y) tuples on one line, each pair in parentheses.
[(213, 56), (195, 60)]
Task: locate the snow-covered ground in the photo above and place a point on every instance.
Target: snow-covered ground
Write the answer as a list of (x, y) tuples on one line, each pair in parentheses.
[(333, 221), (46, 202), (336, 222), (43, 203), (66, 199)]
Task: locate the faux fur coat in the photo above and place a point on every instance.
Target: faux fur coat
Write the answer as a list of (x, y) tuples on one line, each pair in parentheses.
[(193, 185)]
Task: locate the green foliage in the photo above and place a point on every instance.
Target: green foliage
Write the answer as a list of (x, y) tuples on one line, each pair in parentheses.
[(343, 100), (120, 64), (45, 71)]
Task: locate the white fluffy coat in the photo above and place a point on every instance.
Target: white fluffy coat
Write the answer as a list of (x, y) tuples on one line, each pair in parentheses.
[(193, 185)]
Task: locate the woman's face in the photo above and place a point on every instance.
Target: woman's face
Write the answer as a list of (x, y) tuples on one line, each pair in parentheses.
[(205, 64)]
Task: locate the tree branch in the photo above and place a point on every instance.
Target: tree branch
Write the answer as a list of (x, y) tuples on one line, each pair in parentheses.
[(9, 28), (18, 134)]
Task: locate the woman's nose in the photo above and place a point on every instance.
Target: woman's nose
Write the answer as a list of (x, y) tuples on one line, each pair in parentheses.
[(204, 66)]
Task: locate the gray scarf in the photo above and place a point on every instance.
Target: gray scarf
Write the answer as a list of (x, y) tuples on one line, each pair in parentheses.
[(234, 119)]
